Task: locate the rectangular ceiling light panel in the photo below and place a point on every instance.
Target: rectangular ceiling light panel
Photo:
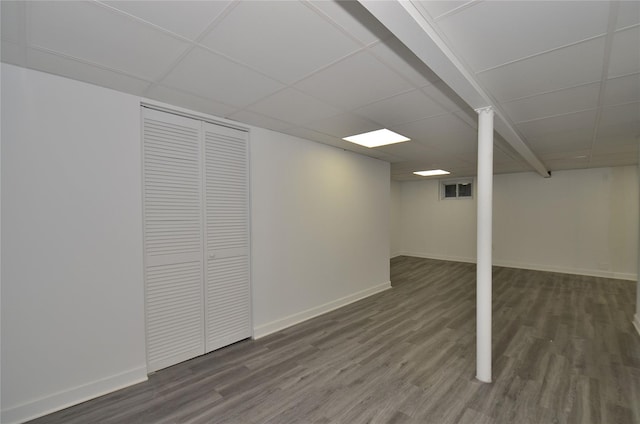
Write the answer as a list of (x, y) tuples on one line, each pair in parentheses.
[(377, 138), (432, 172)]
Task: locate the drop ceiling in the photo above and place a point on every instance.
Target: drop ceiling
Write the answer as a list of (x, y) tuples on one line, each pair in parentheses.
[(565, 74)]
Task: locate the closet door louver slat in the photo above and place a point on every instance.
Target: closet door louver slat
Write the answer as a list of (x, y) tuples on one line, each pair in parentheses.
[(227, 280), (172, 238)]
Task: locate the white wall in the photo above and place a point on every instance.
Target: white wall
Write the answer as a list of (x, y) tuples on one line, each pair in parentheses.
[(320, 228), (579, 221), (72, 294), (72, 311), (396, 218)]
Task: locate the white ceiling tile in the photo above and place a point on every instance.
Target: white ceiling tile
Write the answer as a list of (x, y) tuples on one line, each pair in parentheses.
[(437, 8), (352, 17), (622, 90), (102, 36), (13, 53), (344, 125), (628, 13), (558, 124), (292, 106), (625, 52), (212, 76), (625, 132), (442, 131), (404, 61), (189, 101), (186, 18), (444, 96), (406, 107), (565, 141), (259, 120), (628, 113), (264, 36), (358, 80), (563, 68), (13, 21), (54, 64), (492, 33), (554, 103), (410, 150), (608, 146), (615, 159)]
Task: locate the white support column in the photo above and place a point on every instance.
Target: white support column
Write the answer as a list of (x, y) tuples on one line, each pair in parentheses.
[(484, 244)]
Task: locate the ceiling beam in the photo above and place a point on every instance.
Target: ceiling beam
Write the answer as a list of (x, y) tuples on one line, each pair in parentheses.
[(406, 22)]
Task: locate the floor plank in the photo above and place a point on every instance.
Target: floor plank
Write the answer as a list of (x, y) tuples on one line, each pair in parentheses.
[(564, 350)]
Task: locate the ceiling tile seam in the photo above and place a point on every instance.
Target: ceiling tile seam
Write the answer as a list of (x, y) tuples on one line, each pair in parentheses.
[(325, 67), (293, 84), (499, 113), (511, 62), (262, 115), (188, 93), (629, 103), (323, 15), (623, 75), (488, 98), (394, 70), (456, 10), (631, 74), (557, 90), (192, 45), (558, 115), (608, 46), (284, 83), (247, 107), (398, 124), (632, 26), (90, 63), (139, 20)]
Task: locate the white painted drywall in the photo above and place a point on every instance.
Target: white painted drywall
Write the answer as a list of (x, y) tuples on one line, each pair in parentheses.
[(580, 221), (320, 228), (439, 229), (72, 283), (72, 293), (395, 220)]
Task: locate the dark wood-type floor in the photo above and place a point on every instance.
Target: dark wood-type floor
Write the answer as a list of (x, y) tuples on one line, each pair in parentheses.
[(565, 351)]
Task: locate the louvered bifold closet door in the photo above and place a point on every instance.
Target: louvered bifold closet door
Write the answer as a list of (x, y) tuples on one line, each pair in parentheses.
[(227, 281), (173, 244)]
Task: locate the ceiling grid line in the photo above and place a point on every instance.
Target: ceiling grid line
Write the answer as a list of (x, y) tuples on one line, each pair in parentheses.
[(611, 25), (531, 56), (193, 45), (322, 70)]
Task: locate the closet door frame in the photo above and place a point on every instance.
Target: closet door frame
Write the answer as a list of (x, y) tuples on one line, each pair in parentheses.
[(185, 113)]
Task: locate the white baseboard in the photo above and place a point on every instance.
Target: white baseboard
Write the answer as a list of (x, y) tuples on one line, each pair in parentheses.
[(73, 396), (282, 323), (565, 270), (533, 267), (438, 257), (636, 322)]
